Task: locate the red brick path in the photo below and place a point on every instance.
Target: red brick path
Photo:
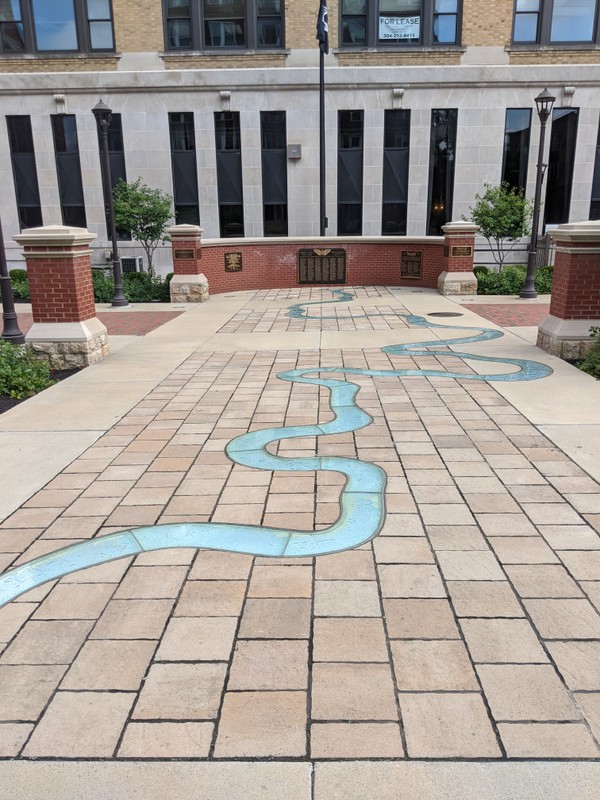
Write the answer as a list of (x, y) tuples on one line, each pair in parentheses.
[(122, 323), (511, 315)]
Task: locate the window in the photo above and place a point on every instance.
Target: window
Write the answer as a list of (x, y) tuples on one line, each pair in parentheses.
[(442, 155), (561, 161), (229, 173), (274, 172), (56, 26), (399, 23), (70, 187), (396, 140), (595, 203), (350, 173), (555, 22), (183, 161), (24, 171), (516, 147), (223, 24)]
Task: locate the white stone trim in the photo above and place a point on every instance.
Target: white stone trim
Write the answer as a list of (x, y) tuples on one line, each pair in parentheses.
[(66, 331)]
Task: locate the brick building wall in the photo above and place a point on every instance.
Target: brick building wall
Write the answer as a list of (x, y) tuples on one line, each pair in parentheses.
[(487, 24), (138, 26), (275, 266)]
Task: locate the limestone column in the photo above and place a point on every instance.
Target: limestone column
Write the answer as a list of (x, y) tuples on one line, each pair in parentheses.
[(459, 251), (188, 284), (575, 300), (65, 328)]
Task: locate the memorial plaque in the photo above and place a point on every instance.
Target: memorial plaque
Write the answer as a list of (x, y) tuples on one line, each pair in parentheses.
[(462, 250), (184, 255), (411, 265), (322, 265), (233, 262)]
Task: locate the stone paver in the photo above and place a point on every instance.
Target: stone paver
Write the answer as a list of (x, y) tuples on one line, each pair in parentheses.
[(468, 629)]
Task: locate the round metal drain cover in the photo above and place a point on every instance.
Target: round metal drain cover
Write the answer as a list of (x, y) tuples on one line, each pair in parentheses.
[(445, 314)]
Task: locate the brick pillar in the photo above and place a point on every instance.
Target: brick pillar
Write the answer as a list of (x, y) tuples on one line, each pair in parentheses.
[(575, 300), (459, 250), (188, 284), (65, 328)]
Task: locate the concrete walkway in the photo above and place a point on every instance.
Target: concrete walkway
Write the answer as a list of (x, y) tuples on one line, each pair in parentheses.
[(457, 655)]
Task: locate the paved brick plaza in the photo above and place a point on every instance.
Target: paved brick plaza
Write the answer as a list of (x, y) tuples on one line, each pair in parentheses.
[(467, 629)]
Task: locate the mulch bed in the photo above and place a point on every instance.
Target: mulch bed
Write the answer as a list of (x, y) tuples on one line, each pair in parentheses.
[(6, 403)]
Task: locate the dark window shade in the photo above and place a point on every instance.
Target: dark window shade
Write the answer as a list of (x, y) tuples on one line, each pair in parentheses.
[(396, 141), (561, 162), (350, 172), (595, 202), (229, 173), (517, 133), (274, 172), (442, 156), (24, 171), (70, 187)]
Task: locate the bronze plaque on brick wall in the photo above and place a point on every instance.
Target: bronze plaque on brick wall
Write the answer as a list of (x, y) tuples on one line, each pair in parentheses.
[(322, 265), (184, 255), (411, 264), (233, 262), (462, 250)]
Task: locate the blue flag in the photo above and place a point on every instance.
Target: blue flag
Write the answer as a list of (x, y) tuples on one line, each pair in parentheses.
[(323, 28)]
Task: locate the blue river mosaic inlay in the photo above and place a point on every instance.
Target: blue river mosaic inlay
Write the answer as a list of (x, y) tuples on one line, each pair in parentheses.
[(362, 500)]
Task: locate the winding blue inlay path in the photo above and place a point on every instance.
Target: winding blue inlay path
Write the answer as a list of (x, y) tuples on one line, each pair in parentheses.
[(362, 500)]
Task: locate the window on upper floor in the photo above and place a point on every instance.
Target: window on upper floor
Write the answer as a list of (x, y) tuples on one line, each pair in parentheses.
[(399, 23), (56, 26), (223, 24), (556, 22)]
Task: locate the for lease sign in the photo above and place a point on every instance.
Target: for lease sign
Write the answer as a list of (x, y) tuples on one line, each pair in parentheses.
[(399, 28)]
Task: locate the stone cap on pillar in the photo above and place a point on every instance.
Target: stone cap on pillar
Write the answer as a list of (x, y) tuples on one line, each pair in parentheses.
[(460, 229), (185, 231), (588, 231), (54, 236)]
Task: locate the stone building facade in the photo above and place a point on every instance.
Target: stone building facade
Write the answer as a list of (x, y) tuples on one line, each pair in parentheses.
[(216, 102)]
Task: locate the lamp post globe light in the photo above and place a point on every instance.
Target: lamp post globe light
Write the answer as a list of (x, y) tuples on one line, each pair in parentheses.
[(103, 113), (543, 102)]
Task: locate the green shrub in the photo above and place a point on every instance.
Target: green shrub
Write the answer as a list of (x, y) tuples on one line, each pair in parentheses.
[(137, 287), (543, 280), (511, 280), (22, 374), (104, 287), (591, 363), (20, 284)]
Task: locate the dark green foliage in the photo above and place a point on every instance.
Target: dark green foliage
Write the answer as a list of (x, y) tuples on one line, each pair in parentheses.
[(104, 287), (591, 363), (20, 284), (22, 374), (511, 279), (138, 287)]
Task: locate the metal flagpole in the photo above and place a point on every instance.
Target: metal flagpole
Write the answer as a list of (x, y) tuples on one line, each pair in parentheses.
[(323, 38)]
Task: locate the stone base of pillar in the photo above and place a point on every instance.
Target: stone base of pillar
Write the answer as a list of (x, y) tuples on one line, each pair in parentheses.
[(69, 345), (189, 289), (568, 339), (457, 283)]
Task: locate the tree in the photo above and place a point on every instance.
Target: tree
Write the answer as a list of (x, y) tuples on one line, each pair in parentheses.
[(144, 212), (504, 216)]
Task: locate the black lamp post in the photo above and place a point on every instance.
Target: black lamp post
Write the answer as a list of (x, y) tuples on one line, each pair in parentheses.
[(11, 330), (103, 113), (544, 102)]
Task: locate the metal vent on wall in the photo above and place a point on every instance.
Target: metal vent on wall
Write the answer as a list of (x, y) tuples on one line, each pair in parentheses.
[(135, 264), (322, 265)]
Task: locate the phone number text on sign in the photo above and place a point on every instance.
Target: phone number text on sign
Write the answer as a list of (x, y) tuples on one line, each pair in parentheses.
[(399, 28)]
